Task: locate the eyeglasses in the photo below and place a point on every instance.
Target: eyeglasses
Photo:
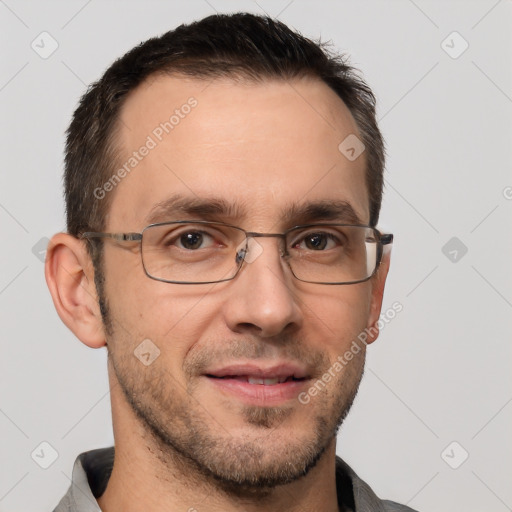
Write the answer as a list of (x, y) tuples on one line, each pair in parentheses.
[(203, 252)]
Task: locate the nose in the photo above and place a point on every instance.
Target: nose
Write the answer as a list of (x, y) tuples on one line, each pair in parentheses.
[(262, 299)]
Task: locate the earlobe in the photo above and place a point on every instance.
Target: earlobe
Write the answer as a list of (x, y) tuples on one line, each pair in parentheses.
[(70, 277), (377, 293)]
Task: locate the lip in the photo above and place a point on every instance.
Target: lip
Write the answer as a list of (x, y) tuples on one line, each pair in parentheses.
[(233, 380), (260, 371)]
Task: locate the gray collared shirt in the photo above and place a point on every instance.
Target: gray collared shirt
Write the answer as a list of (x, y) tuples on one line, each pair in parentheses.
[(92, 471)]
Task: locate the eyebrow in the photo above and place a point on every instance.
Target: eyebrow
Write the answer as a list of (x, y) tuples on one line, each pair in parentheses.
[(320, 211), (205, 208), (220, 210)]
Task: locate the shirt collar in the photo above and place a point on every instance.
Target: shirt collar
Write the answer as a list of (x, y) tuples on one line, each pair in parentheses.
[(92, 469), (79, 497)]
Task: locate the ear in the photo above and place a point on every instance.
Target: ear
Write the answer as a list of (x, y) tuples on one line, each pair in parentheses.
[(69, 274), (378, 283)]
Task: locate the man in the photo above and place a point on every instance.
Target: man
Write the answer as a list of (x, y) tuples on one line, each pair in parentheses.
[(223, 183)]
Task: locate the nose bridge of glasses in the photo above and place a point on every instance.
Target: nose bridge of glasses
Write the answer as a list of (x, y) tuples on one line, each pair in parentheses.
[(252, 249), (255, 234)]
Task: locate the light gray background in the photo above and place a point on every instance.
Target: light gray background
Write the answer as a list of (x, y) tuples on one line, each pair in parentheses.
[(440, 371)]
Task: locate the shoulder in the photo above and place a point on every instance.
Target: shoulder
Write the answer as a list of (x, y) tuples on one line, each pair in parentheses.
[(391, 506), (359, 495), (91, 472)]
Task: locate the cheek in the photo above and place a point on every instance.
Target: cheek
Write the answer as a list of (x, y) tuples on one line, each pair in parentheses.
[(172, 316), (337, 317)]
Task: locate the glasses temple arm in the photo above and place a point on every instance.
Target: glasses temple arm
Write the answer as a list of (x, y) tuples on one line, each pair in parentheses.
[(119, 237)]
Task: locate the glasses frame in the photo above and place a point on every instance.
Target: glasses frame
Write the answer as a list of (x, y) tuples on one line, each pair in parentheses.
[(383, 239)]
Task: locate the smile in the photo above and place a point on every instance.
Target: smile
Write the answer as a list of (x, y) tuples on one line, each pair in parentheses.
[(264, 385), (269, 381)]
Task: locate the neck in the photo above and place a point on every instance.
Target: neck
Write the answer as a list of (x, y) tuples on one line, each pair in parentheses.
[(149, 476)]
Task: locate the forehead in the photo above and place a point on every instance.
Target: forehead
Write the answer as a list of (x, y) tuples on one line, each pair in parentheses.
[(265, 148)]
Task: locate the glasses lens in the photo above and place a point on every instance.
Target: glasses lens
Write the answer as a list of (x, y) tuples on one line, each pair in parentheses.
[(191, 252), (333, 254), (203, 252)]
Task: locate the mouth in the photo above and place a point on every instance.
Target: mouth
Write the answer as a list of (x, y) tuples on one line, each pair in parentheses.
[(261, 381), (259, 385)]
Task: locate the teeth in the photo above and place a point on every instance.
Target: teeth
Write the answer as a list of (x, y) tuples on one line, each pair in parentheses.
[(265, 382)]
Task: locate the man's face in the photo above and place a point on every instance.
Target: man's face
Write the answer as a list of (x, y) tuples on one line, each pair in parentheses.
[(261, 149)]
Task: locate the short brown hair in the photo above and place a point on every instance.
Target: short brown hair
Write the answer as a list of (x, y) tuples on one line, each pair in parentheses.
[(236, 45)]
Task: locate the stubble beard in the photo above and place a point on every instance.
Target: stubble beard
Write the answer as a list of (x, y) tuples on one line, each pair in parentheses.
[(183, 439), (179, 432)]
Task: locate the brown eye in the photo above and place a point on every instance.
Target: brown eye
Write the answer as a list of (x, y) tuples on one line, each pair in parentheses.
[(316, 242), (192, 240)]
